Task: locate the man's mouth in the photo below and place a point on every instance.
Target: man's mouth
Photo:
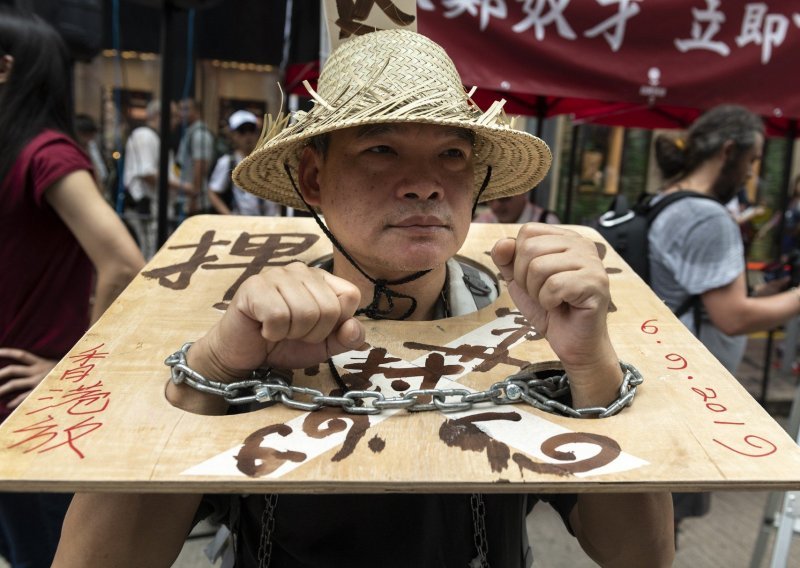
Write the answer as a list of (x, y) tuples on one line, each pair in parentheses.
[(420, 222)]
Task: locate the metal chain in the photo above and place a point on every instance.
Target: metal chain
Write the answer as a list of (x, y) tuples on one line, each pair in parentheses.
[(267, 527), (268, 385), (479, 531)]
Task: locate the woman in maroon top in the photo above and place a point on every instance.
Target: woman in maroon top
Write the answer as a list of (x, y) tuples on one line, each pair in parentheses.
[(59, 242)]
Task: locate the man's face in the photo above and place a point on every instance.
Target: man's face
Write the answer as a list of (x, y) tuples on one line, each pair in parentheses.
[(736, 170), (397, 197), (186, 111), (245, 137), (508, 209)]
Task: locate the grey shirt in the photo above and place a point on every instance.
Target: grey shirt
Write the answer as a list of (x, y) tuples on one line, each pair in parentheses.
[(695, 246)]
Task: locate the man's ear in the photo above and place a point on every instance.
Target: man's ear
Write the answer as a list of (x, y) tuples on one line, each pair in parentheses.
[(728, 150), (308, 172), (6, 65)]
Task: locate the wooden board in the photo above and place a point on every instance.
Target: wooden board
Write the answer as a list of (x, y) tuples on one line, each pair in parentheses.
[(100, 421)]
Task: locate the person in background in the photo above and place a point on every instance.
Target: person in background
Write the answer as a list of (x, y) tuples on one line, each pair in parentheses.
[(696, 248), (744, 212), (86, 132), (60, 241), (516, 209), (140, 176), (194, 157), (225, 196)]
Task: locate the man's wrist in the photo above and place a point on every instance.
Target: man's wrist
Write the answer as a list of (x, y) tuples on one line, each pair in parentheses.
[(186, 398), (595, 385)]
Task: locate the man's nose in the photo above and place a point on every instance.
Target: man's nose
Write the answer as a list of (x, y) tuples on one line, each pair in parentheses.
[(422, 184)]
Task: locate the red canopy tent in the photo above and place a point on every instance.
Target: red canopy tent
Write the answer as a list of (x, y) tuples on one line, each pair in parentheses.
[(649, 64), (634, 63)]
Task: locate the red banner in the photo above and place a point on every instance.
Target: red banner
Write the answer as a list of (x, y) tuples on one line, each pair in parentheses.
[(654, 60)]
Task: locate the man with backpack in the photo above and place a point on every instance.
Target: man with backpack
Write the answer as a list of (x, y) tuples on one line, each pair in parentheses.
[(695, 246), (226, 197)]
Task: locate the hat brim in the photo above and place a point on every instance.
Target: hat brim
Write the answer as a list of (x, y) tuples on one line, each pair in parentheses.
[(519, 160)]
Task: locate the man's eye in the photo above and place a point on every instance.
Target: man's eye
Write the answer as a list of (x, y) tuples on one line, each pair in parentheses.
[(380, 149), (454, 153)]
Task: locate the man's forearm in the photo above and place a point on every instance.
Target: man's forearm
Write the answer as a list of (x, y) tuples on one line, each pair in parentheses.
[(626, 530), (125, 531)]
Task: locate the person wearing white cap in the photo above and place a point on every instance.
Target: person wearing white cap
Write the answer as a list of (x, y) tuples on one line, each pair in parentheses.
[(225, 196), (396, 156)]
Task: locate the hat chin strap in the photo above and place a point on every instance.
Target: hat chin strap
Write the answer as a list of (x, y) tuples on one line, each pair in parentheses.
[(381, 285)]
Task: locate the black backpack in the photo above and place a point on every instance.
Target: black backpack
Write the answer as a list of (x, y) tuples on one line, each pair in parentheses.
[(626, 229)]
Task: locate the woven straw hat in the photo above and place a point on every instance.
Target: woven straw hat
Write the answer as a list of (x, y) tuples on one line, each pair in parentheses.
[(394, 76)]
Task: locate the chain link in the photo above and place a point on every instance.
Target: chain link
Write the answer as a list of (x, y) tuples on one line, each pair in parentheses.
[(479, 531), (268, 385), (267, 528)]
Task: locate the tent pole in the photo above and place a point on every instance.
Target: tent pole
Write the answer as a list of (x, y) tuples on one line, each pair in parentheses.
[(573, 156), (791, 135), (541, 114), (167, 21)]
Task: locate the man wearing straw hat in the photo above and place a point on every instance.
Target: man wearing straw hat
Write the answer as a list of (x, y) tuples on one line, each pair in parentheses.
[(396, 157)]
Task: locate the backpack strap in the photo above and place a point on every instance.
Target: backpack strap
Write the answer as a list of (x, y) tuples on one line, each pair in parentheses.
[(480, 290), (654, 209), (693, 302)]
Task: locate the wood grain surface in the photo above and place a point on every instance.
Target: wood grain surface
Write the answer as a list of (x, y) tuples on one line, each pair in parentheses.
[(100, 421)]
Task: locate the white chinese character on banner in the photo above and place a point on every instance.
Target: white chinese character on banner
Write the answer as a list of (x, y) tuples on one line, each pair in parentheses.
[(702, 38), (535, 18), (796, 19), (760, 28), (625, 12), (487, 9)]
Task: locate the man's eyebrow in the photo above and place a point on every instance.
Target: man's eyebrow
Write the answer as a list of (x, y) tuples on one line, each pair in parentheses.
[(374, 130), (378, 129)]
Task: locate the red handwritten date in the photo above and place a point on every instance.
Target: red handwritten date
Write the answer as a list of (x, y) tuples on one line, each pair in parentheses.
[(750, 445)]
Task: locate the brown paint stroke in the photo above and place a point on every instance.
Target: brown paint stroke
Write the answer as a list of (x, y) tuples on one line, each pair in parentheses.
[(400, 385), (270, 458), (463, 433), (609, 451), (377, 444), (328, 421)]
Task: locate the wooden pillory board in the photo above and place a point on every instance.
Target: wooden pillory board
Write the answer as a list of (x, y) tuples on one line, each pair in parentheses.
[(100, 421)]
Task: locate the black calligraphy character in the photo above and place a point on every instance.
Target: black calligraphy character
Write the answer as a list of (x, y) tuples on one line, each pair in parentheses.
[(609, 450), (328, 421), (255, 460), (490, 357), (463, 433), (351, 12), (264, 249), (185, 270)]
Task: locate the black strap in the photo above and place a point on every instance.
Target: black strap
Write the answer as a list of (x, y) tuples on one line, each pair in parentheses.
[(481, 292), (695, 303), (654, 209)]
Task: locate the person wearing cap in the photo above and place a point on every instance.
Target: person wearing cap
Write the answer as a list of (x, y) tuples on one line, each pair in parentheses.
[(225, 196), (396, 157)]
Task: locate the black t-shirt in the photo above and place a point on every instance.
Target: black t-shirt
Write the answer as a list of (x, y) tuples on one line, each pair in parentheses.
[(387, 530)]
